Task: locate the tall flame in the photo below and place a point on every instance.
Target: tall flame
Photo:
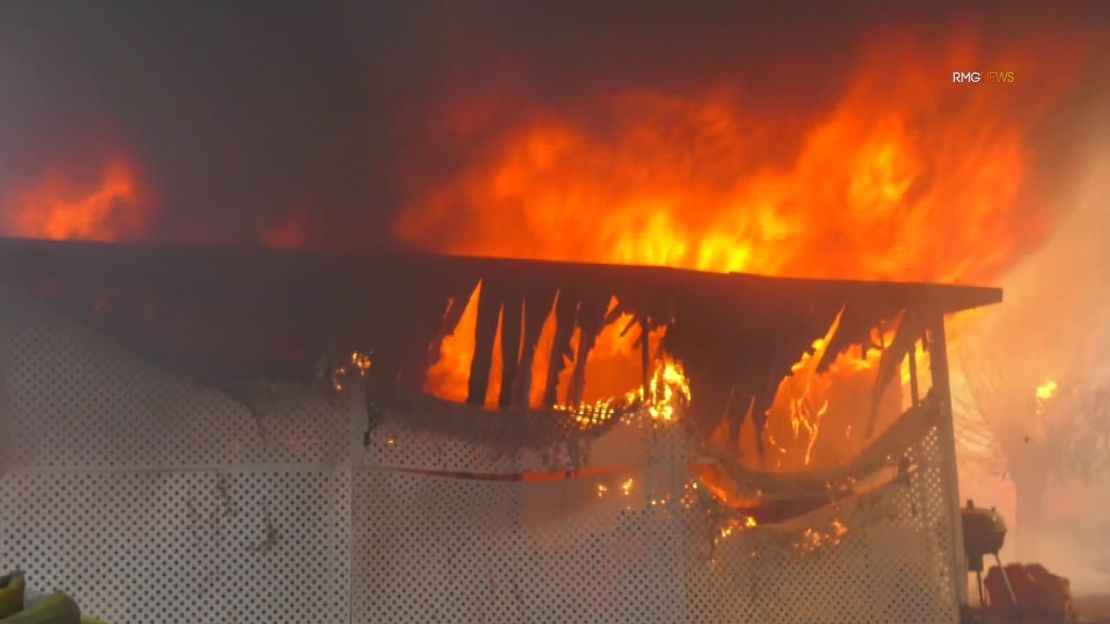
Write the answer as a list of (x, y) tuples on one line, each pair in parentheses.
[(112, 206), (908, 176)]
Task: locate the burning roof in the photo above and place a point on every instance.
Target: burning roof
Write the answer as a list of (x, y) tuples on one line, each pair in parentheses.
[(249, 313)]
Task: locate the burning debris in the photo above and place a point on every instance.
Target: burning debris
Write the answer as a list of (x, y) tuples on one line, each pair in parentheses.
[(816, 539), (665, 395), (359, 366)]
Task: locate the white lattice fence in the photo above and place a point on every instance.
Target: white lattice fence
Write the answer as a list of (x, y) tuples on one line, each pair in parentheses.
[(155, 499), (150, 498)]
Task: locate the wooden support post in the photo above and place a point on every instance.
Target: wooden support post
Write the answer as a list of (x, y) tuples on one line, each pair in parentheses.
[(485, 331), (941, 391), (537, 307), (512, 322), (591, 318), (566, 307)]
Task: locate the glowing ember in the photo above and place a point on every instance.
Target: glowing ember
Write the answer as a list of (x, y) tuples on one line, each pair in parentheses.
[(590, 416), (626, 486), (669, 391), (814, 539), (358, 366), (109, 207), (1044, 395), (733, 525), (1046, 390)]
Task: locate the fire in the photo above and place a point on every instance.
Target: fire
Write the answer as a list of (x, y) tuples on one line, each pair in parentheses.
[(736, 524), (1046, 391), (817, 420), (626, 486), (906, 177), (112, 206), (668, 391), (1044, 394), (359, 365), (448, 376), (614, 367), (814, 539)]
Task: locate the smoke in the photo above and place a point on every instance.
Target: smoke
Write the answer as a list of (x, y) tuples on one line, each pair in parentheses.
[(1055, 324)]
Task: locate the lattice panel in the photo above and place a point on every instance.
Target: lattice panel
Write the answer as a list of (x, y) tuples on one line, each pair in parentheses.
[(72, 398), (396, 446), (472, 550), (152, 498), (184, 547)]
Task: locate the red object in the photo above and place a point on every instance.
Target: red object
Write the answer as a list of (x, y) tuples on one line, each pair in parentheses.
[(1035, 588)]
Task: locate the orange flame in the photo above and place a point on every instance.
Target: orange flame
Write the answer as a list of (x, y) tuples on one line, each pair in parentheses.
[(114, 206), (908, 177), (818, 420), (613, 363)]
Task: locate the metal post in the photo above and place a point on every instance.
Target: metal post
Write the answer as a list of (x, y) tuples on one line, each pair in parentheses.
[(1006, 579), (938, 366)]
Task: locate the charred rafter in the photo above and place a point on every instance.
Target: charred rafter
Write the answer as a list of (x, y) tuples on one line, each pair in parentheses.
[(246, 313)]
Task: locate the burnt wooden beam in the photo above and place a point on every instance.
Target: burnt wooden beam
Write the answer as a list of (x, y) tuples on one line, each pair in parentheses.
[(538, 302), (909, 327), (591, 318), (511, 325), (246, 313), (485, 332), (566, 309)]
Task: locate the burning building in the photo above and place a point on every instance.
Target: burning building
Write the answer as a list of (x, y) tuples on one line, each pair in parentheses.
[(398, 437), (606, 364)]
